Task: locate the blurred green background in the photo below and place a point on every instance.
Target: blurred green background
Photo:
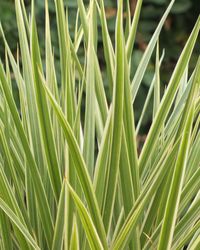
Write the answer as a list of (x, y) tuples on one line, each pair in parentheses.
[(173, 37)]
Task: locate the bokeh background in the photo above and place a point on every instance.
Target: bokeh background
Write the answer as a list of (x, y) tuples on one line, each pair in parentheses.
[(173, 37)]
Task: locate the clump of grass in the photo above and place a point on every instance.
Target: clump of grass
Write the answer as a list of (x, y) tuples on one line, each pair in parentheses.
[(72, 183)]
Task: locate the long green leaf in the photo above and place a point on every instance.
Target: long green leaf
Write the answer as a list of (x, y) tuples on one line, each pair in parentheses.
[(89, 125), (117, 121), (176, 186)]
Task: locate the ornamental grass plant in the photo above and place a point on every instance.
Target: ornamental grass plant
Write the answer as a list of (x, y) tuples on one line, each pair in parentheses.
[(71, 174)]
